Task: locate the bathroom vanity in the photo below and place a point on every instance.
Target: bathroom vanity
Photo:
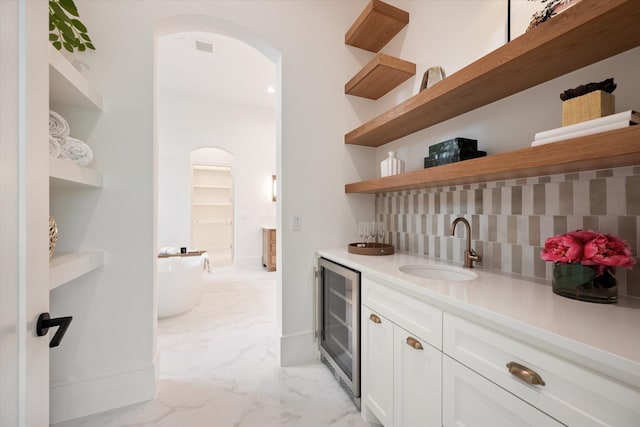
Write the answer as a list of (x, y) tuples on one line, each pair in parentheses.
[(269, 248), (446, 346)]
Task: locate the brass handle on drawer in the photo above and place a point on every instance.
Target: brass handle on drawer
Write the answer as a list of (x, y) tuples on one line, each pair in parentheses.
[(374, 318), (525, 374), (414, 343)]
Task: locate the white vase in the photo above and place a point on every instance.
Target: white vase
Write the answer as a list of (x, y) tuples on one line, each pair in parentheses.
[(391, 165)]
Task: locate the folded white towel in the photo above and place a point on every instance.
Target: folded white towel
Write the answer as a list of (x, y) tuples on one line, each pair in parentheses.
[(169, 250), (77, 151), (54, 147), (58, 126)]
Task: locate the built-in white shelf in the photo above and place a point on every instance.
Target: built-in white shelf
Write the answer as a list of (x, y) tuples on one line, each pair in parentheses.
[(65, 173), (221, 187), (223, 168), (212, 204), (212, 221), (67, 86), (68, 266)]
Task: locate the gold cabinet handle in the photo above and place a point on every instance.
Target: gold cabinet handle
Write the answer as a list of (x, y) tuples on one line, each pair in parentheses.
[(374, 318), (412, 342), (525, 374)]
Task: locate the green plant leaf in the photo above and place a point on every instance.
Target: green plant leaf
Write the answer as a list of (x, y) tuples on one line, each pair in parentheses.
[(79, 25), (58, 12), (75, 42), (572, 275), (67, 32), (69, 6)]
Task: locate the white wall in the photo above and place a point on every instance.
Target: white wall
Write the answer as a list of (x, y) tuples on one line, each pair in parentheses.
[(108, 354), (313, 164), (249, 134)]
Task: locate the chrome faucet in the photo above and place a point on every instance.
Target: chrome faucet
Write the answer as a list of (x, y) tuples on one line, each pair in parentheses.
[(469, 254)]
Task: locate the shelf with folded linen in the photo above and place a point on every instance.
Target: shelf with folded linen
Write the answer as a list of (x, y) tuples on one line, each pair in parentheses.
[(69, 156), (64, 173)]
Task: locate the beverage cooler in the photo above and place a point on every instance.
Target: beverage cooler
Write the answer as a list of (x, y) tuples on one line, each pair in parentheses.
[(338, 322)]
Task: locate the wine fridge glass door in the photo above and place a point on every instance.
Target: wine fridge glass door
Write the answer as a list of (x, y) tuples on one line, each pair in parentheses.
[(340, 334)]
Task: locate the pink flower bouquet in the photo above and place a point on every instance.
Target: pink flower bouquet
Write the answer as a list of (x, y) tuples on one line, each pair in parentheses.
[(584, 264), (588, 248)]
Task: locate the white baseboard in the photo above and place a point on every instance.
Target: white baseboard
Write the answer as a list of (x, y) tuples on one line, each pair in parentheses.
[(78, 399), (298, 348)]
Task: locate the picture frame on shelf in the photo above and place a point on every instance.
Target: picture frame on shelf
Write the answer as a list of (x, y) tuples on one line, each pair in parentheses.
[(519, 14), (522, 13)]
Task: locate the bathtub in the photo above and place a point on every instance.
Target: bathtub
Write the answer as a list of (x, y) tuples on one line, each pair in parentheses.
[(179, 284)]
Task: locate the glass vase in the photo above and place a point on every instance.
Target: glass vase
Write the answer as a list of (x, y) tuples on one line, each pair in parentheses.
[(582, 282)]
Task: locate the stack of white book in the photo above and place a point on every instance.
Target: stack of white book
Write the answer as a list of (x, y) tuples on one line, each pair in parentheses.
[(589, 127)]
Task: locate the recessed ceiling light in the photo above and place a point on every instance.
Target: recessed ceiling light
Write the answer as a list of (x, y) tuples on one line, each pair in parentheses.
[(271, 89)]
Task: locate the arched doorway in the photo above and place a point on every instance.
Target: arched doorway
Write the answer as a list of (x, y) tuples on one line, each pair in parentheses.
[(184, 23), (215, 91)]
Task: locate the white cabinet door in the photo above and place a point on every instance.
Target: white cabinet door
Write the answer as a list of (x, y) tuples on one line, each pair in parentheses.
[(403, 310), (377, 366), (24, 265), (571, 394), (417, 381), (470, 400)]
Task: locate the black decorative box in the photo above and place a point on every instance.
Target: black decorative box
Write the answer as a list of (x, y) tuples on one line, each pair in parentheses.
[(451, 151), (452, 145), (447, 158)]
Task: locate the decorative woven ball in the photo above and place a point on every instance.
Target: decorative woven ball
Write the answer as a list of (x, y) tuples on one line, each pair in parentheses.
[(53, 235)]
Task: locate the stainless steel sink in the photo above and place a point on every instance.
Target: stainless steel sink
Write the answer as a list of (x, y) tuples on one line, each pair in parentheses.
[(438, 272)]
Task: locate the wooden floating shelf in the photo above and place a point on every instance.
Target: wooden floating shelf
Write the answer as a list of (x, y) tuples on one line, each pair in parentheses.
[(382, 74), (588, 32), (599, 151), (188, 254), (378, 23)]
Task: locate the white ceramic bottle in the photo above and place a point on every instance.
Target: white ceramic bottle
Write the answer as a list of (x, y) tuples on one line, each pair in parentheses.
[(391, 165)]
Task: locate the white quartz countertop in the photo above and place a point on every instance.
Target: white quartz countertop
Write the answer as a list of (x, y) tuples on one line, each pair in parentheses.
[(604, 337)]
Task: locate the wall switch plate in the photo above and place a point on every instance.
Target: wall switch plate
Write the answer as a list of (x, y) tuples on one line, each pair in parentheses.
[(296, 223)]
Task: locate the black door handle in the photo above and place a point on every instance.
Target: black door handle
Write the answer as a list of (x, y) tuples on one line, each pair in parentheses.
[(45, 322)]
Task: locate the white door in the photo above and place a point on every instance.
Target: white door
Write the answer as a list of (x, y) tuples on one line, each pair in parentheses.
[(417, 381), (24, 206)]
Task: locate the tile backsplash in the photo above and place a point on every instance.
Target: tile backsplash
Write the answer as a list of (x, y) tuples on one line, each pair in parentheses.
[(510, 220)]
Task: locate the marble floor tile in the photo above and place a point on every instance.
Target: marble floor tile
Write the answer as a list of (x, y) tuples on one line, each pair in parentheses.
[(217, 367)]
